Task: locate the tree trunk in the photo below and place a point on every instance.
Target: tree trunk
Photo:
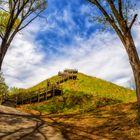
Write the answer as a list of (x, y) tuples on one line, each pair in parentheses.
[(0, 63), (3, 49), (137, 82), (1, 60), (135, 64)]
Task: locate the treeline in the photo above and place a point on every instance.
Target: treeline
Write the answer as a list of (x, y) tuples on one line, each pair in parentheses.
[(5, 90)]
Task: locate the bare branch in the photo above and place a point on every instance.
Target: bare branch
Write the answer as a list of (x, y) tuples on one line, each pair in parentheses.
[(120, 8), (109, 18), (1, 8), (119, 18), (30, 21), (96, 3), (133, 21)]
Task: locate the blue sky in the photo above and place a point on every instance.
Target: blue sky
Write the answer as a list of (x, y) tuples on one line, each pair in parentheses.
[(68, 19), (67, 39)]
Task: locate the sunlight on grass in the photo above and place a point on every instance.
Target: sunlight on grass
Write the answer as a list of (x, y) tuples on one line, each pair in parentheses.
[(82, 95)]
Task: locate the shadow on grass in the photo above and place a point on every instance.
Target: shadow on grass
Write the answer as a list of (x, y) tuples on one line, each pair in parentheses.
[(107, 124), (102, 124)]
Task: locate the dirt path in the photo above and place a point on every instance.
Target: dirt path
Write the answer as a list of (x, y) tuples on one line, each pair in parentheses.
[(16, 125)]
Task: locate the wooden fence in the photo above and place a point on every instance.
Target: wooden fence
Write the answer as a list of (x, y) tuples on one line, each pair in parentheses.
[(51, 90)]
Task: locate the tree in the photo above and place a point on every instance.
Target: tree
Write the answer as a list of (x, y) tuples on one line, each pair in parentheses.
[(15, 15), (119, 16), (3, 86), (14, 90)]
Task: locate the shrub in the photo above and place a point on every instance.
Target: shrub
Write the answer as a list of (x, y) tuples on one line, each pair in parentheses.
[(106, 101), (74, 99)]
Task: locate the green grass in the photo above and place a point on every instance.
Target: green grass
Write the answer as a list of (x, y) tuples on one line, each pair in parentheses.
[(44, 83), (100, 88), (84, 94)]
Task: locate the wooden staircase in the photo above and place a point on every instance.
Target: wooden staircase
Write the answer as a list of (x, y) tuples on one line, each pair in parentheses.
[(42, 94)]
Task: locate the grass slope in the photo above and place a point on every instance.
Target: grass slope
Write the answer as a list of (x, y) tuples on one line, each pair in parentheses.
[(99, 87), (84, 94), (44, 83)]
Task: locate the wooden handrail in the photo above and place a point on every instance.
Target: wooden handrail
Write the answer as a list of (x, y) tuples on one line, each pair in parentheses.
[(37, 95)]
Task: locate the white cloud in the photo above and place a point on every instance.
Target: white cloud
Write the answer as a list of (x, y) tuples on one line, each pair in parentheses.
[(102, 55)]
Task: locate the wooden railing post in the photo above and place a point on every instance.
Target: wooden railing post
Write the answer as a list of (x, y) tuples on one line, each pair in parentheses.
[(22, 99), (46, 93), (53, 90), (38, 97), (1, 99), (72, 76), (31, 99), (16, 102), (61, 90)]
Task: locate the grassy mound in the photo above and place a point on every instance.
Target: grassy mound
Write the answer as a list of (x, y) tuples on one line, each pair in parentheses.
[(100, 88), (84, 94)]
